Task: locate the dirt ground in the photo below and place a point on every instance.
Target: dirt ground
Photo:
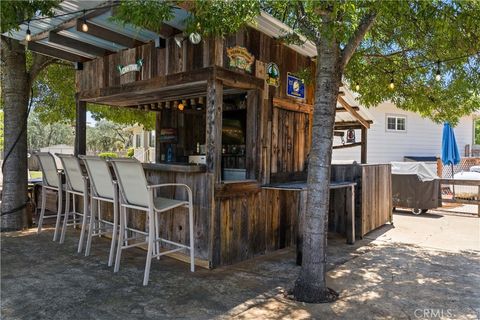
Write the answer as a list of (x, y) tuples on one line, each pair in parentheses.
[(423, 267)]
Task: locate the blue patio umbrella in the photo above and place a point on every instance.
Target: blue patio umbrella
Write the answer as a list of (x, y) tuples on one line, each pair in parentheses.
[(450, 154)]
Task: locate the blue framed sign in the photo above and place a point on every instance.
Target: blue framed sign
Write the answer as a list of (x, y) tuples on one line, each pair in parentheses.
[(295, 86)]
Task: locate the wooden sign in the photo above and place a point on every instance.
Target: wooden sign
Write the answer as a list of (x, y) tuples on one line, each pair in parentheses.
[(168, 135), (295, 86), (350, 136), (134, 67), (240, 58), (273, 74)]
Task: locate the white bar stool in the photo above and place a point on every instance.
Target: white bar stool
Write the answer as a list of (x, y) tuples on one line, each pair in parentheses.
[(137, 194), (102, 188), (52, 180)]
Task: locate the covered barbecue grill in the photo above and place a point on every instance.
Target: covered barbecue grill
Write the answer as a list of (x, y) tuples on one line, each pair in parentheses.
[(415, 186)]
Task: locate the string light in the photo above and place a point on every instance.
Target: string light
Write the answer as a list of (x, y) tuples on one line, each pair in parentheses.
[(84, 23), (391, 86), (357, 86), (28, 36), (438, 76), (181, 106)]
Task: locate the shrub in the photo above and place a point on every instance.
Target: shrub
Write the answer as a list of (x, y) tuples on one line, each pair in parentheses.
[(108, 155), (130, 152)]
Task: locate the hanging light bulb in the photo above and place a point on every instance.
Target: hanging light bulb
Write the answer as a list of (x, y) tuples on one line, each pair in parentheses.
[(84, 23), (181, 106), (438, 76), (357, 86), (391, 86), (28, 36)]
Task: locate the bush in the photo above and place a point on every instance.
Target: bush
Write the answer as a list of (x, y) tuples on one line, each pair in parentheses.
[(108, 155), (130, 152)]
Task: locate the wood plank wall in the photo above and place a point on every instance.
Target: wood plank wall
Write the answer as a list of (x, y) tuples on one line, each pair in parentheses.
[(290, 133), (257, 222), (373, 196)]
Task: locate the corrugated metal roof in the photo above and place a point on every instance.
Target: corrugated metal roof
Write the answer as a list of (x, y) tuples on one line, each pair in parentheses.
[(264, 22)]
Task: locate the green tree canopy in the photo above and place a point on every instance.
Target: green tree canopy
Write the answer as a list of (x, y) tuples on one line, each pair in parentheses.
[(404, 43)]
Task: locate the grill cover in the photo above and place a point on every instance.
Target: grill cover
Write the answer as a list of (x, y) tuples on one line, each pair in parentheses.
[(414, 185)]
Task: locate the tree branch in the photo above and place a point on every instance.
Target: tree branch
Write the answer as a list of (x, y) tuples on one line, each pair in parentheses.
[(305, 24), (365, 25), (39, 63)]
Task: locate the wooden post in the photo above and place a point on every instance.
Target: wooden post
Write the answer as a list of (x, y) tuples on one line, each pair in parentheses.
[(158, 128), (80, 127), (439, 167), (363, 157), (350, 208), (213, 141), (214, 128)]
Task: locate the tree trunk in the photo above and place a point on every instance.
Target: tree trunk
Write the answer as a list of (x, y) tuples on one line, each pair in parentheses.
[(15, 90), (310, 285)]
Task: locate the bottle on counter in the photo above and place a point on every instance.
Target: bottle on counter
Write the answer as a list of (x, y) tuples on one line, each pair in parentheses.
[(169, 153)]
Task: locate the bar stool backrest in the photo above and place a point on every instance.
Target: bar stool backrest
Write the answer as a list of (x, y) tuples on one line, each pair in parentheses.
[(48, 167), (73, 171), (99, 175), (131, 180)]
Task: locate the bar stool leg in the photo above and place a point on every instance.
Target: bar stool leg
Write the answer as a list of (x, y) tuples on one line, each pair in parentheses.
[(156, 216), (59, 212), (42, 209), (84, 217), (192, 239), (99, 215), (115, 226), (65, 217), (74, 212), (91, 227), (121, 234), (151, 232)]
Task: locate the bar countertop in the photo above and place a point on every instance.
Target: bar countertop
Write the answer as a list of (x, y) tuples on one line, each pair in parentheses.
[(175, 167), (302, 185)]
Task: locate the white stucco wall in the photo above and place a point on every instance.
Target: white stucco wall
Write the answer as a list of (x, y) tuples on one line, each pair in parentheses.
[(422, 137)]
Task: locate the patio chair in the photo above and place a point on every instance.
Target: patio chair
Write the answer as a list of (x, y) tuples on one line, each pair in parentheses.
[(52, 180), (102, 188), (137, 194), (77, 185)]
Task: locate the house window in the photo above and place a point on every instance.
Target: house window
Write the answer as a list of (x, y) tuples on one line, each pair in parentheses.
[(138, 141), (151, 139), (396, 123)]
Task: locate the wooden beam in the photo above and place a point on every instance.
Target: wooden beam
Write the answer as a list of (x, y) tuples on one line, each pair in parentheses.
[(55, 53), (77, 45), (67, 24), (354, 113), (350, 124), (238, 80), (350, 145), (292, 105), (345, 110), (80, 127), (109, 35), (363, 152), (157, 84)]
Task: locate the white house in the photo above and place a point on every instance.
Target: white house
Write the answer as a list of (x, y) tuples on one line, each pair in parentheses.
[(143, 144), (396, 134)]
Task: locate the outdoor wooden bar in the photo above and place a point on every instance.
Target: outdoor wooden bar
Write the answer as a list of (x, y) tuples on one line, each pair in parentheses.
[(251, 135)]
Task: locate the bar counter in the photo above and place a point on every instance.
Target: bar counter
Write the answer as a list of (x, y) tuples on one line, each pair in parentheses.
[(175, 167)]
